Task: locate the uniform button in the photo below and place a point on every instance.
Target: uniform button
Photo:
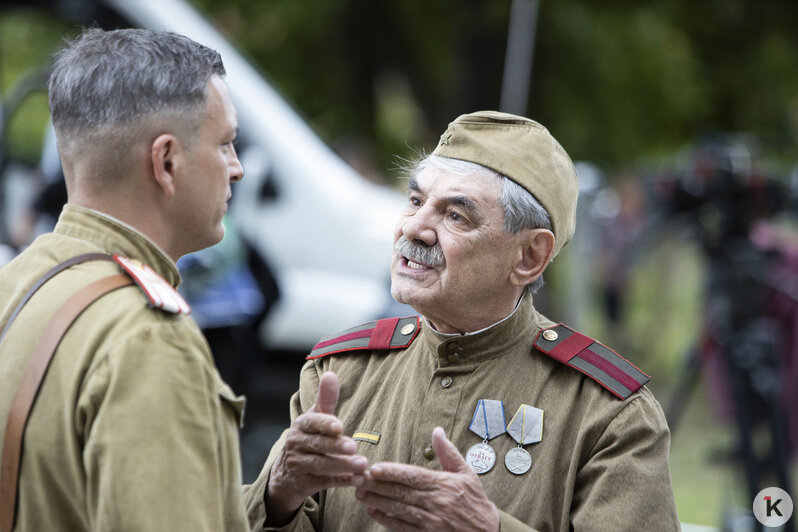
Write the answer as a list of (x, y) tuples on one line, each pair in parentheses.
[(446, 382), (550, 335), (429, 453), (453, 358)]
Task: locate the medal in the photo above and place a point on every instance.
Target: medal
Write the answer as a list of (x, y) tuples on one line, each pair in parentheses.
[(481, 457), (518, 460), (525, 427), (488, 422)]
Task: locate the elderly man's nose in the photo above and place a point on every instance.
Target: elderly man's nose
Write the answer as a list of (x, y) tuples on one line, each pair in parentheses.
[(419, 228)]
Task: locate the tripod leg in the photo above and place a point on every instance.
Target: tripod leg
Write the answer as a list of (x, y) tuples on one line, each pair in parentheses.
[(681, 394)]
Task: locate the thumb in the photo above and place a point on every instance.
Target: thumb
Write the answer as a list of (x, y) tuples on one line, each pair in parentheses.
[(327, 396), (450, 458)]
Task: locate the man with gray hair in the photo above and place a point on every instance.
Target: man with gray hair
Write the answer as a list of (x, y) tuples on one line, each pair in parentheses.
[(132, 427), (437, 422)]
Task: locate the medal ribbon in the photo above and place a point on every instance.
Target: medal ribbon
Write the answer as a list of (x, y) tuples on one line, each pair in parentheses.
[(526, 426), (488, 421)]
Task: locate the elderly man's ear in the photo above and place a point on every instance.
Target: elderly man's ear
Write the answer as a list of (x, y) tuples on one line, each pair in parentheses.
[(534, 254)]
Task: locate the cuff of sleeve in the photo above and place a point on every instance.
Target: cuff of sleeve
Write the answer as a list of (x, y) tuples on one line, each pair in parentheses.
[(300, 519)]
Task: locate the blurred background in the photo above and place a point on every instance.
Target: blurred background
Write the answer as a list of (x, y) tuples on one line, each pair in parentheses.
[(682, 118)]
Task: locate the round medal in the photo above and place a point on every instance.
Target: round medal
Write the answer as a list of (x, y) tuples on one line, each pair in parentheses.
[(481, 458), (518, 460)]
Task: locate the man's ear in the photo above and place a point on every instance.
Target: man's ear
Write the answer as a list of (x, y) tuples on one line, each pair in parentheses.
[(167, 159), (537, 247)]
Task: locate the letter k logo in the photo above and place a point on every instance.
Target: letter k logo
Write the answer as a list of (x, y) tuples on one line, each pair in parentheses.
[(772, 506)]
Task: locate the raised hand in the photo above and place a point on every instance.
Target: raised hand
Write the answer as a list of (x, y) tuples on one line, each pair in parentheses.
[(405, 497), (316, 456)]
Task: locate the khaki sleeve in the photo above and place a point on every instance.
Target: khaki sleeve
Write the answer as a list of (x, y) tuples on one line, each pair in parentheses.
[(625, 483), (309, 515), (160, 449)]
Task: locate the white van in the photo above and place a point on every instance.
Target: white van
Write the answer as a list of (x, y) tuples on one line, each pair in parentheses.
[(324, 231)]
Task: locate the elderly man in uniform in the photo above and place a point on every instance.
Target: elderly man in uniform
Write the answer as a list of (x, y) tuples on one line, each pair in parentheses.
[(132, 427), (482, 414)]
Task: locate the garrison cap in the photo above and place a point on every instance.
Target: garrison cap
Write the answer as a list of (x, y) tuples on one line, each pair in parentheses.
[(524, 151)]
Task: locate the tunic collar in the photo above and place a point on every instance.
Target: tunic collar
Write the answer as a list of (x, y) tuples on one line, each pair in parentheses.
[(491, 342), (115, 237)]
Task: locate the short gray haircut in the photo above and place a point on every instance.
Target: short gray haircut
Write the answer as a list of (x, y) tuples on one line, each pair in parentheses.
[(111, 80), (521, 209)]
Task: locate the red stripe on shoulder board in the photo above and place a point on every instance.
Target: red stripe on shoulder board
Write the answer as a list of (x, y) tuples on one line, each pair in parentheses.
[(383, 332), (611, 370), (338, 339)]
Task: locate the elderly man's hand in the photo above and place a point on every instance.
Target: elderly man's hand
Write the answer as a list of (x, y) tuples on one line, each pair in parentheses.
[(405, 497), (316, 456)]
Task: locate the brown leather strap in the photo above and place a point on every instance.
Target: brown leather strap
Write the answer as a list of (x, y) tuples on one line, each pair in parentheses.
[(29, 387), (49, 275)]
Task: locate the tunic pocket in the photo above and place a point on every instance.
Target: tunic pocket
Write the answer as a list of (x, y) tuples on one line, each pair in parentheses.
[(237, 403)]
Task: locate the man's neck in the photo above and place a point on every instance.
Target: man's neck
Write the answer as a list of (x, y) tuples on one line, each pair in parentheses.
[(445, 327)]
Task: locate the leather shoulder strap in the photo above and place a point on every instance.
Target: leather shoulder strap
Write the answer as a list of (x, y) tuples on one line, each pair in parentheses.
[(55, 270), (596, 360), (389, 333), (29, 387)]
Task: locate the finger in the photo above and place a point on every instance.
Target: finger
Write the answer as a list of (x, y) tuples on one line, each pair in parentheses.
[(408, 475), (448, 455), (319, 424), (398, 510), (326, 465), (397, 492), (305, 442), (327, 396)]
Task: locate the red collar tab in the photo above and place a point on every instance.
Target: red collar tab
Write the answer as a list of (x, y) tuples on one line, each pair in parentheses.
[(159, 292), (597, 361), (389, 333)]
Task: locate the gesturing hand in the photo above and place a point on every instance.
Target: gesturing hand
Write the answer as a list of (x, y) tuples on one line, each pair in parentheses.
[(316, 456), (406, 497)]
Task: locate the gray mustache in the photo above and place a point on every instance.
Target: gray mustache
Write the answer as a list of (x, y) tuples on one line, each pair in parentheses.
[(427, 255)]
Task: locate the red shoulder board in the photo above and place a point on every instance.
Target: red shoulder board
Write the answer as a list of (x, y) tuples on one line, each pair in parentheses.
[(159, 292), (595, 360), (390, 333)]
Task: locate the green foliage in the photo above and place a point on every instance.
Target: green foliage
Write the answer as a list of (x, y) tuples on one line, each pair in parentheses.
[(27, 39), (616, 81)]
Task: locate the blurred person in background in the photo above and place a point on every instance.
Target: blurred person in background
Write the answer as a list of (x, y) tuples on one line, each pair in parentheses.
[(132, 427), (437, 422)]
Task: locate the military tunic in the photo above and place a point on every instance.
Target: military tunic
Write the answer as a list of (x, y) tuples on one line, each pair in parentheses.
[(602, 463), (133, 428)]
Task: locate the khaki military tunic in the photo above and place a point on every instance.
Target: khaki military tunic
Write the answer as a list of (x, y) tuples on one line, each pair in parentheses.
[(602, 463), (133, 428)]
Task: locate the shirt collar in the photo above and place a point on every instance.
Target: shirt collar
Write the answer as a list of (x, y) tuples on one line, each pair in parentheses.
[(490, 342), (115, 237)]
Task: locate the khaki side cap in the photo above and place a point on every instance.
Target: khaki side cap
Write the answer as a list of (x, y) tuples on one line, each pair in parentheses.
[(524, 151)]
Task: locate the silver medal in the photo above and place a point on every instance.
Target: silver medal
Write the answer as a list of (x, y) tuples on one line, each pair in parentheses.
[(518, 460), (481, 458)]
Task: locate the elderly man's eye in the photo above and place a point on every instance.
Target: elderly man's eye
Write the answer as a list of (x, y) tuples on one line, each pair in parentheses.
[(456, 217)]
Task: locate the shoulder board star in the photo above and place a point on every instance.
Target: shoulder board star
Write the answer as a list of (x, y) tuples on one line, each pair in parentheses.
[(389, 333), (159, 292), (597, 361)]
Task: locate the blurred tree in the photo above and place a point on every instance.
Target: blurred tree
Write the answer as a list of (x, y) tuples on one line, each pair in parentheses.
[(616, 81)]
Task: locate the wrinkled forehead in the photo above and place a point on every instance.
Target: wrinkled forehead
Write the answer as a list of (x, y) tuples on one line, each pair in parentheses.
[(477, 194), (481, 186)]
